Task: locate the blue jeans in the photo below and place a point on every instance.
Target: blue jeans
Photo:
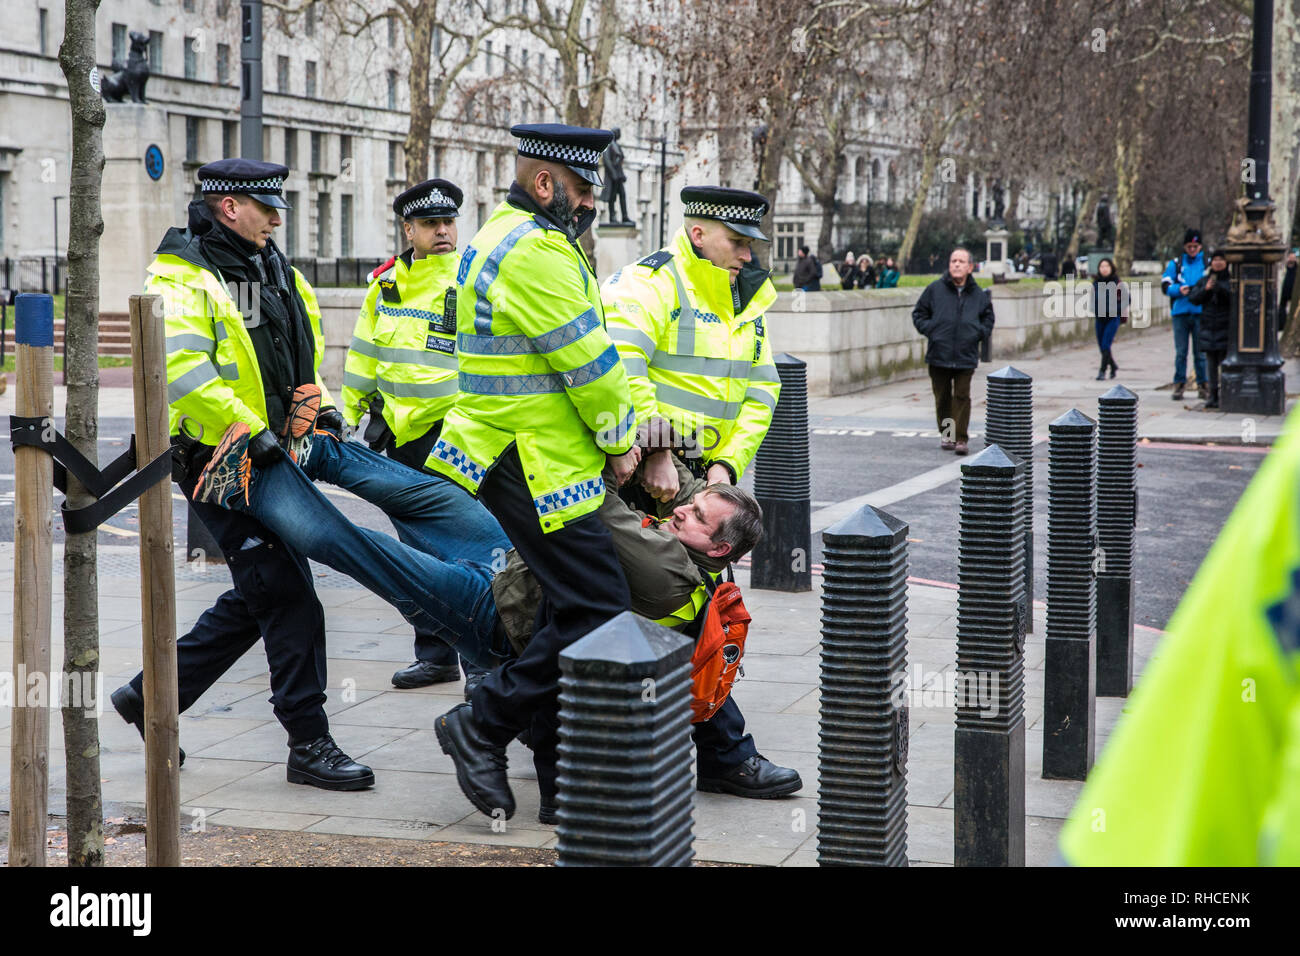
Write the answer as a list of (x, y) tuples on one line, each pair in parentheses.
[(438, 576), (1188, 324)]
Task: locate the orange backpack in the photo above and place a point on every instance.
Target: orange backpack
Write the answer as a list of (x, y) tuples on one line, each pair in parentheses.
[(715, 665)]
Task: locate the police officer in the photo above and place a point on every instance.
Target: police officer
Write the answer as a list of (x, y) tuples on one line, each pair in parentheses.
[(244, 346), (688, 323), (401, 368), (544, 404)]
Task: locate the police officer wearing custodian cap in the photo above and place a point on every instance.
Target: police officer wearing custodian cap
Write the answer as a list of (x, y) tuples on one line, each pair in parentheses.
[(544, 405), (401, 367)]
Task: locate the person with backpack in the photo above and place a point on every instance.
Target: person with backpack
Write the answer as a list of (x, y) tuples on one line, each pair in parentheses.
[(807, 271), (1179, 277)]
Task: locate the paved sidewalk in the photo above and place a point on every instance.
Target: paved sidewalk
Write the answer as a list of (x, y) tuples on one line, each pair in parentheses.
[(234, 771)]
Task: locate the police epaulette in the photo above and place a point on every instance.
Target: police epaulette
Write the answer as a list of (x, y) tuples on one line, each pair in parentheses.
[(380, 270), (656, 260)]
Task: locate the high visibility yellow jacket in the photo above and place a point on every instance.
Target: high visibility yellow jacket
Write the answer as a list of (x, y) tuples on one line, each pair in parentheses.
[(695, 348), (1204, 766), (404, 346), (537, 368), (213, 376)]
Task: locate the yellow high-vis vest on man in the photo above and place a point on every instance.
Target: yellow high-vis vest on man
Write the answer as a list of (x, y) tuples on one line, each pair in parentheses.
[(537, 369), (404, 346), (213, 376), (692, 357), (1204, 766)]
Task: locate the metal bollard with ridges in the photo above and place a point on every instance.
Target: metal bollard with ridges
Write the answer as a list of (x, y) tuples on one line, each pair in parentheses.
[(783, 486), (1009, 424), (626, 787), (862, 755), (1069, 670), (1116, 521), (989, 742)]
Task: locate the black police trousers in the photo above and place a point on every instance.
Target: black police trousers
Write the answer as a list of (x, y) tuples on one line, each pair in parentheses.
[(582, 587), (428, 646), (274, 599)]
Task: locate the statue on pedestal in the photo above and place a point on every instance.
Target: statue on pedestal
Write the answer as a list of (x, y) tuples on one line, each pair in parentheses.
[(129, 78), (614, 180)]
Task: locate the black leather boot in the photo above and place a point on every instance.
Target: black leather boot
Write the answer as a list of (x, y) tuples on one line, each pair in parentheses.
[(480, 764), (130, 707), (320, 763), (1101, 372), (756, 777), (1111, 359), (424, 673)]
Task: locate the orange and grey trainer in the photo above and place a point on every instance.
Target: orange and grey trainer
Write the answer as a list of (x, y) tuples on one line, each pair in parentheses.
[(301, 421), (225, 478)]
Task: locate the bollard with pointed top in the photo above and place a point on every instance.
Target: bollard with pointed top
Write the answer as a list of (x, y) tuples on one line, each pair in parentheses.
[(1069, 677), (1116, 521), (989, 742), (1009, 424), (782, 558), (863, 730), (626, 787)]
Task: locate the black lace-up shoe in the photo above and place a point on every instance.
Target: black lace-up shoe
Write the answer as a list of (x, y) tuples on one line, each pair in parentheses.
[(480, 765), (756, 777), (424, 673), (320, 763), (130, 707)]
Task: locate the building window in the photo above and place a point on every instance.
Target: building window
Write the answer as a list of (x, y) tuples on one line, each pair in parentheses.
[(282, 74), (345, 156), (392, 31), (505, 60), (322, 224), (223, 7), (189, 6), (311, 20), (119, 42), (290, 147), (481, 209), (487, 52), (155, 52), (480, 168), (345, 226), (392, 158), (290, 217), (392, 89), (229, 139), (439, 157), (437, 41), (44, 28), (315, 151), (223, 63), (191, 139), (191, 59), (311, 78), (789, 237)]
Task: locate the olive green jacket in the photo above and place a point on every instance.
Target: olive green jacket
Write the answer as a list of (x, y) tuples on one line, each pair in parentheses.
[(664, 575)]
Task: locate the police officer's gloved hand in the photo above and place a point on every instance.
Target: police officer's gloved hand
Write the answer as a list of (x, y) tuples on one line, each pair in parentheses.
[(330, 421), (264, 450)]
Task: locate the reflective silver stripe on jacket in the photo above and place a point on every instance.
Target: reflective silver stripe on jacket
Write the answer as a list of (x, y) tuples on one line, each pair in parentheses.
[(689, 401)]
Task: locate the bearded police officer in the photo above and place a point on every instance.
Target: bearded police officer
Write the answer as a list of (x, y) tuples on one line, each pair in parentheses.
[(244, 347), (688, 323), (401, 368), (544, 405)]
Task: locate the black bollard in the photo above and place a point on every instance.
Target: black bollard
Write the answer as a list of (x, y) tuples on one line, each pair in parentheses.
[(989, 742), (1009, 424), (1116, 521), (200, 545), (1069, 670), (783, 487), (626, 787), (862, 756)]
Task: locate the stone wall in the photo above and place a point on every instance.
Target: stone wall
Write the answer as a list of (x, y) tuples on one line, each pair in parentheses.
[(859, 338)]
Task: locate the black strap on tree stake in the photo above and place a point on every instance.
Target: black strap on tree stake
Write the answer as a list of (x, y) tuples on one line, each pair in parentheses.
[(102, 483)]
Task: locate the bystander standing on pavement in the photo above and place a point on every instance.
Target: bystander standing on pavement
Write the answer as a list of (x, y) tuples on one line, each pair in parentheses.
[(848, 271), (1179, 277), (955, 315), (866, 273), (888, 275), (807, 271), (1213, 293), (1288, 289), (1109, 308)]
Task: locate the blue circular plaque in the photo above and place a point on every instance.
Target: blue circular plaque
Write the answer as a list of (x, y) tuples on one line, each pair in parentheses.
[(153, 162)]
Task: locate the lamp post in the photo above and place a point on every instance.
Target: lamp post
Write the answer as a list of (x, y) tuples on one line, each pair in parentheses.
[(1252, 378), (663, 188), (250, 101)]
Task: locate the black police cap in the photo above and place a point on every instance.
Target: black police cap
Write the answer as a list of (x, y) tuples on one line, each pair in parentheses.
[(246, 177), (431, 199), (740, 209), (577, 147)]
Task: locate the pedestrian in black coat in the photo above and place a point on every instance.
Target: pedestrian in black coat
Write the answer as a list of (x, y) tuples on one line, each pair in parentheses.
[(1213, 293), (955, 315)]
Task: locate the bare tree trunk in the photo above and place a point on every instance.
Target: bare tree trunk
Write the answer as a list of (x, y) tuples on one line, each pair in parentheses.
[(1013, 203), (929, 162), (81, 328), (419, 42), (1128, 161), (1091, 194)]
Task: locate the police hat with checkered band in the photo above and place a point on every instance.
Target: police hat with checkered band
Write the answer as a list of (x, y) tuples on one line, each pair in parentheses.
[(246, 177), (577, 147), (740, 209), (431, 199)]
